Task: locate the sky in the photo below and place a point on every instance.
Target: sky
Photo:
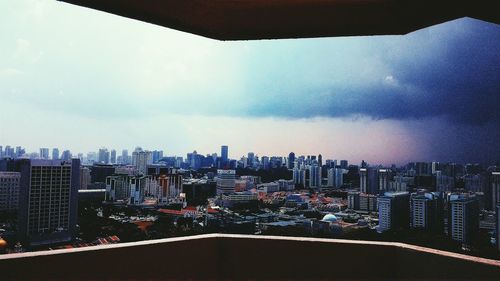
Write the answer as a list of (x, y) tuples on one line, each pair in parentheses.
[(80, 79)]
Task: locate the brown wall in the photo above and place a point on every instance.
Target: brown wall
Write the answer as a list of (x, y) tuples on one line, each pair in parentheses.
[(238, 257)]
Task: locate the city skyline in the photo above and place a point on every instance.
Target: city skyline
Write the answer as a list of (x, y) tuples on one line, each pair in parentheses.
[(429, 95)]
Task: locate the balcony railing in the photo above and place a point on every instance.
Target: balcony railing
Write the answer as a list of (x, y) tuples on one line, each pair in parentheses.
[(242, 257)]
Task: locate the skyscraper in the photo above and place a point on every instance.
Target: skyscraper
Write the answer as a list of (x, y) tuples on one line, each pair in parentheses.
[(66, 155), (320, 160), (9, 191), (112, 156), (141, 159), (427, 212), (44, 153), (463, 221), (226, 181), (125, 157), (383, 176), (393, 210), (48, 199), (495, 188), (224, 154), (368, 180), (299, 177), (55, 153), (315, 176), (335, 177), (291, 160), (103, 156)]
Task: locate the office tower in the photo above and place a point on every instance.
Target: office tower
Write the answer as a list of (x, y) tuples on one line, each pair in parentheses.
[(368, 202), (66, 155), (434, 167), (103, 156), (495, 188), (226, 181), (112, 157), (125, 157), (344, 164), (55, 153), (368, 180), (91, 157), (383, 176), (320, 160), (48, 198), (19, 152), (335, 177), (44, 153), (9, 191), (141, 159), (315, 176), (423, 168), (265, 162), (157, 155), (463, 220), (251, 159), (85, 178), (427, 211), (353, 200), (291, 160), (299, 177), (224, 154), (1, 152), (393, 211)]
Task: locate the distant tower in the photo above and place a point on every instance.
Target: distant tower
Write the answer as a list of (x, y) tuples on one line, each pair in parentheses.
[(113, 156), (315, 176), (55, 154), (224, 153), (226, 181), (320, 160), (44, 153), (291, 160)]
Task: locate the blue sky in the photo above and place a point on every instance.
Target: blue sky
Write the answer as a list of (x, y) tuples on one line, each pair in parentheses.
[(80, 79)]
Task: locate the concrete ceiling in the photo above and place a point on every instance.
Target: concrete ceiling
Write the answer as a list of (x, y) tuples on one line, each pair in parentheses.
[(275, 19)]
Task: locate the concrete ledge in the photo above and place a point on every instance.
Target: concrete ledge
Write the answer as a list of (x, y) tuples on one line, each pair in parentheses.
[(228, 257)]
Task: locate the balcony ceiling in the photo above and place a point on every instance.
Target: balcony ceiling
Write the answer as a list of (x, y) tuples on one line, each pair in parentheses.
[(275, 19)]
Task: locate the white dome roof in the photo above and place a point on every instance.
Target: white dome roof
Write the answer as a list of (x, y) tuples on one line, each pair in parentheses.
[(329, 218)]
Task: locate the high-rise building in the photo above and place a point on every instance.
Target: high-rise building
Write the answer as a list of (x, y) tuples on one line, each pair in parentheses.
[(157, 155), (353, 200), (344, 164), (314, 176), (463, 220), (1, 152), (335, 177), (224, 154), (112, 157), (427, 212), (9, 191), (44, 153), (299, 177), (384, 177), (141, 159), (103, 156), (291, 160), (55, 153), (368, 180), (85, 178), (393, 210), (66, 155), (125, 157), (495, 188), (226, 181), (48, 198), (320, 160)]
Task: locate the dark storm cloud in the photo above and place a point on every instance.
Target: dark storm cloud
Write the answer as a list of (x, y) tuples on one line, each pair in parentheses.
[(450, 71)]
